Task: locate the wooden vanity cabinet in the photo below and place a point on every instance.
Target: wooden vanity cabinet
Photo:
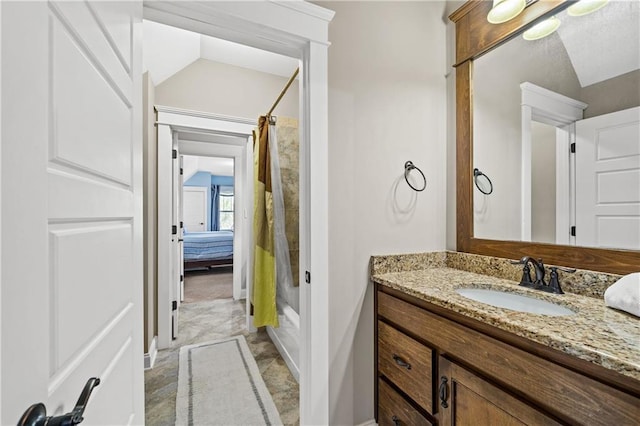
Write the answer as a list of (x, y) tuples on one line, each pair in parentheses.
[(467, 399), (466, 372)]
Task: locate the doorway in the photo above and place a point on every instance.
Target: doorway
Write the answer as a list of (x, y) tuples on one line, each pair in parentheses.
[(298, 30)]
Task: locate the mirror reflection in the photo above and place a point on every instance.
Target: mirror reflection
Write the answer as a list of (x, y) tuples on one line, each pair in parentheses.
[(557, 127)]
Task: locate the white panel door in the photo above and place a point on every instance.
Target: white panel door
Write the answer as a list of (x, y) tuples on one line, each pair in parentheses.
[(608, 180), (72, 247), (195, 208)]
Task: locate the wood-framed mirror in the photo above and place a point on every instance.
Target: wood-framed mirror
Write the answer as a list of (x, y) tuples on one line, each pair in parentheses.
[(475, 36)]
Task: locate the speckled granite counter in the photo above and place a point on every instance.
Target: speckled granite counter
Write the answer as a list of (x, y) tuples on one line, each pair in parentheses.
[(594, 333)]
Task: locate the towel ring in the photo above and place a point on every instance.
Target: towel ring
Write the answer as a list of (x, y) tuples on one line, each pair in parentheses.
[(408, 166), (482, 181)]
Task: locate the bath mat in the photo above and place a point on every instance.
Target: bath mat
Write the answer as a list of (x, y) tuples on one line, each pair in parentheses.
[(219, 384)]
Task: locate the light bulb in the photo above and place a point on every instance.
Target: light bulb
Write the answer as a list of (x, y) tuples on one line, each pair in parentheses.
[(504, 10), (585, 7), (542, 29)]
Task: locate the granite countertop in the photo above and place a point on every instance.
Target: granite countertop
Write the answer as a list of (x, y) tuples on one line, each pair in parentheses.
[(595, 333)]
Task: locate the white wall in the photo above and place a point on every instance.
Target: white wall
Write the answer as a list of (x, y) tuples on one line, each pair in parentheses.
[(387, 105), (228, 90)]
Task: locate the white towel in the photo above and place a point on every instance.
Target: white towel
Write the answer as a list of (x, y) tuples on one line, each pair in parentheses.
[(625, 294)]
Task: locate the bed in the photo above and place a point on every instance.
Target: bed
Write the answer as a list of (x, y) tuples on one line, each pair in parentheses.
[(206, 249)]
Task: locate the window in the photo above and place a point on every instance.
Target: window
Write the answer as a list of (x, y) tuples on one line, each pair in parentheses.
[(226, 208)]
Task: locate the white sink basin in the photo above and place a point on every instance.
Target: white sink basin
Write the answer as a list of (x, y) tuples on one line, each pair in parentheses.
[(515, 302)]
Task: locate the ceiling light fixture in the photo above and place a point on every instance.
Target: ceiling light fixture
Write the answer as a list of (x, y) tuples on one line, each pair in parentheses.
[(504, 10), (542, 29), (585, 7)]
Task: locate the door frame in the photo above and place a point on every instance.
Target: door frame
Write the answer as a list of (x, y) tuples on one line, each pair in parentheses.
[(296, 29), (548, 107), (174, 124), (243, 199), (203, 190)]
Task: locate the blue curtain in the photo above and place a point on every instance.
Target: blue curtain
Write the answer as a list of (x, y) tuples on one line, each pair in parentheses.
[(215, 207)]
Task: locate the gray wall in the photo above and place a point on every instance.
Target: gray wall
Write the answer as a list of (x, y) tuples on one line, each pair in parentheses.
[(150, 208), (543, 183), (226, 89)]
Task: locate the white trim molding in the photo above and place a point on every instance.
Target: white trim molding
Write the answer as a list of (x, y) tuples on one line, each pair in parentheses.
[(181, 124), (150, 357), (300, 30), (544, 106)]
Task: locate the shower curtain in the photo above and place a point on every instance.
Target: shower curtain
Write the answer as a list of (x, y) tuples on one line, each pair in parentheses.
[(271, 250)]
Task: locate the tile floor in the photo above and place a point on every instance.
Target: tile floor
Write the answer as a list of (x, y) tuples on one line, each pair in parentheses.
[(210, 320)]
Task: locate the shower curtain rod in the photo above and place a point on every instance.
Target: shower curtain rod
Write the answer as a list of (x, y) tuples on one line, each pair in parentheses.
[(275, 104)]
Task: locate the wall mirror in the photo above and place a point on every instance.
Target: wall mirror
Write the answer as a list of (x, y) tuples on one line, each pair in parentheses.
[(531, 100), (521, 105)]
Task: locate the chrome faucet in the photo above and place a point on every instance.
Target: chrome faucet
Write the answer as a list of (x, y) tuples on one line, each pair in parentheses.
[(539, 283)]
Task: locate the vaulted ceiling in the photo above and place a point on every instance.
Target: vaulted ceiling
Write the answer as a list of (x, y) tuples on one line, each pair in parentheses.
[(166, 50)]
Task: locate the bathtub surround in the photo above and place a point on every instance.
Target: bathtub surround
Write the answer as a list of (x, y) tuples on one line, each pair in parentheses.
[(286, 337), (289, 154)]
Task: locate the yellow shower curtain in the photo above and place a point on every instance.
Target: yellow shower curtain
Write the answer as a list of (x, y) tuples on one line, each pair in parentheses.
[(263, 297)]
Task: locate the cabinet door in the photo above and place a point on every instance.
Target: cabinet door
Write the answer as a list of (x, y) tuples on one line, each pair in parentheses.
[(466, 399)]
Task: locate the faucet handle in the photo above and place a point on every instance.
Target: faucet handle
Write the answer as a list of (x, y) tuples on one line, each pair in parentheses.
[(554, 282), (526, 280), (563, 269)]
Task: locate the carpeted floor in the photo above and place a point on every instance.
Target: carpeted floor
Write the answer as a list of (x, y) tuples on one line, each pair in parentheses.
[(216, 283), (207, 320)]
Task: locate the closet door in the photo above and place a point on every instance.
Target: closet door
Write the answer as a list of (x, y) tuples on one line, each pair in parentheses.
[(72, 249), (195, 208)]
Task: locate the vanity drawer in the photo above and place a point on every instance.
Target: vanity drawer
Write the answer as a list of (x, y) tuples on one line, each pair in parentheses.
[(407, 363), (394, 410)]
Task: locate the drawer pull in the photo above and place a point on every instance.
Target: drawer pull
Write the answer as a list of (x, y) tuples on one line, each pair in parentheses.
[(401, 362), (443, 392), (395, 420)]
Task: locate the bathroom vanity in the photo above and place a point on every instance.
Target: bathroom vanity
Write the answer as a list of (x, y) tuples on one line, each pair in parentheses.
[(442, 358)]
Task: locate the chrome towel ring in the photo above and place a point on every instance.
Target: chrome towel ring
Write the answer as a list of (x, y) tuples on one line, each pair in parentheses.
[(408, 166)]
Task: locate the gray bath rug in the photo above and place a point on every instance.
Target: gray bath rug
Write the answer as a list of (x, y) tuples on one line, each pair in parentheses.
[(219, 384)]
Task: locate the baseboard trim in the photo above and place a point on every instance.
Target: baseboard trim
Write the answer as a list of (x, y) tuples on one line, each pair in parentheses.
[(371, 422), (150, 357), (243, 294)]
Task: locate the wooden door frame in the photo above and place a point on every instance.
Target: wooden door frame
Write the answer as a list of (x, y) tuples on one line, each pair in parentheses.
[(202, 189)]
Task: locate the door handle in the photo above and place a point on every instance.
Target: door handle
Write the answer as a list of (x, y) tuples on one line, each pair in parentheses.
[(36, 415), (443, 392)]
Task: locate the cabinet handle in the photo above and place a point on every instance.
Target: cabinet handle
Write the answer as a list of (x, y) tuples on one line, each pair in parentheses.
[(443, 392), (401, 362), (395, 420)]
